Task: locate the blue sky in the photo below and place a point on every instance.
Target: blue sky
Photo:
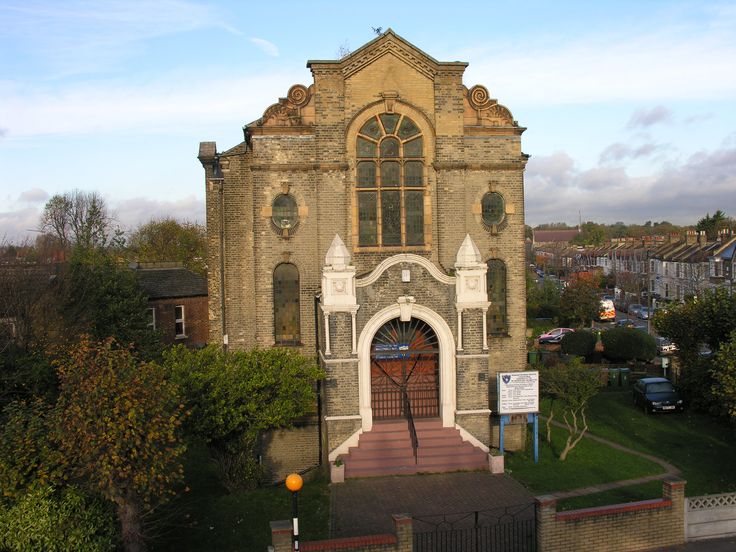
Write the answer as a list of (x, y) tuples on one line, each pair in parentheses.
[(630, 106)]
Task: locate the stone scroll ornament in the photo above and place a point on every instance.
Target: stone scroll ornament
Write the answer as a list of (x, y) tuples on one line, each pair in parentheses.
[(287, 111), (487, 107)]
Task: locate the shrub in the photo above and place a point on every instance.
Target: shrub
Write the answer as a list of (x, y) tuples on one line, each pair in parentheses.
[(580, 343), (622, 344), (50, 521)]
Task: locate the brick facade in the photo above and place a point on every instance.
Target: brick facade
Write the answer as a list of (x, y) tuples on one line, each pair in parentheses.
[(305, 147)]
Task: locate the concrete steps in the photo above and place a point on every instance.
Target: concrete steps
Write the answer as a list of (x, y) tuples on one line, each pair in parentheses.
[(386, 450)]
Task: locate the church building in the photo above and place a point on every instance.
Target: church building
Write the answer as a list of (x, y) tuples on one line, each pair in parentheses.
[(375, 218)]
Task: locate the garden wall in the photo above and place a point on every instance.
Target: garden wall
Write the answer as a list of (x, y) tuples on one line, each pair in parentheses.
[(401, 541), (623, 527)]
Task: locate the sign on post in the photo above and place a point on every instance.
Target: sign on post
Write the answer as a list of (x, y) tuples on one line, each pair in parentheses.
[(518, 392)]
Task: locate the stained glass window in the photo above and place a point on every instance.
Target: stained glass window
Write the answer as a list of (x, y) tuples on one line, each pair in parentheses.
[(285, 213), (286, 304), (390, 182), (492, 209), (496, 280)]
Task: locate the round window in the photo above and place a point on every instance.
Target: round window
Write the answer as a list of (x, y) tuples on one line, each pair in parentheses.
[(493, 209), (285, 214)]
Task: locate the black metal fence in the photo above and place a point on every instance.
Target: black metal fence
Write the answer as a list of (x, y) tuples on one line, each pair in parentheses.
[(508, 529)]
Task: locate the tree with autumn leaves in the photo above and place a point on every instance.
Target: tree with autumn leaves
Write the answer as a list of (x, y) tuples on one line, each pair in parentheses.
[(119, 429)]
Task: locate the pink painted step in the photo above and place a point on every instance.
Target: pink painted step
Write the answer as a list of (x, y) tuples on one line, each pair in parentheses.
[(386, 450)]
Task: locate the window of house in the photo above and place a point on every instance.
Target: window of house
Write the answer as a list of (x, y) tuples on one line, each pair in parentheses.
[(285, 214), (179, 325), (152, 318), (286, 304), (496, 280), (390, 182)]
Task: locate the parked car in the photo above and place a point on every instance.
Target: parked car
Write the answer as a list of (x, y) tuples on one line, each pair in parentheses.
[(665, 346), (657, 395), (626, 323), (554, 336), (635, 308), (645, 312)]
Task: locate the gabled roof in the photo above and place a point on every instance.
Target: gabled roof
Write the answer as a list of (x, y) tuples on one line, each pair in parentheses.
[(555, 236), (164, 283)]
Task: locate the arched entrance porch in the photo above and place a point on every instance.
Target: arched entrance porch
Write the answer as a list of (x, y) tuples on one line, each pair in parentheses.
[(380, 327)]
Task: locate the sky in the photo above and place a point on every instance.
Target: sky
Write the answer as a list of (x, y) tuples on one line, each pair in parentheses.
[(630, 106)]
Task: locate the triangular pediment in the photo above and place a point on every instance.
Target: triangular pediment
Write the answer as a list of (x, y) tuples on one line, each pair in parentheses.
[(389, 43)]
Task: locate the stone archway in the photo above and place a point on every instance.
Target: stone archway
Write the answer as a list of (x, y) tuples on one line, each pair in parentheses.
[(405, 370), (446, 361)]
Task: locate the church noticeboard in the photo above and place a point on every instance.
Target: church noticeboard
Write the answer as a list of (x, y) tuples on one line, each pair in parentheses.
[(518, 392)]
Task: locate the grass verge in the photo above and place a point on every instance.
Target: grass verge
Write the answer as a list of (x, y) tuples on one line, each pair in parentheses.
[(207, 517), (589, 463)]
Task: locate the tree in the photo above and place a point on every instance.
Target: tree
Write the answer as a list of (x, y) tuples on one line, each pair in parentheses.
[(119, 422), (724, 375), (236, 396), (45, 520), (622, 344), (711, 224), (96, 295), (580, 302), (569, 387), (168, 239), (79, 219)]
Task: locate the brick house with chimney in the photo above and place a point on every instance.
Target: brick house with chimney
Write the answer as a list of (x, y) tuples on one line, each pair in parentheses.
[(376, 216)]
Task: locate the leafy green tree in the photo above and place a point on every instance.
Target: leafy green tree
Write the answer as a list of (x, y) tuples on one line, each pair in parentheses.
[(580, 302), (622, 344), (590, 234), (96, 295), (543, 299), (570, 388), (711, 224), (168, 239), (236, 396), (724, 375), (45, 520), (580, 343), (119, 429), (29, 454)]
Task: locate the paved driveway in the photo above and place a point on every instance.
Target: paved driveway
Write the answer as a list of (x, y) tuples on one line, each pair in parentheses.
[(364, 506)]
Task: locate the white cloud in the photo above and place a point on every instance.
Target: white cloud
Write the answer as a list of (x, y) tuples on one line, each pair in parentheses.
[(644, 118), (175, 101), (35, 195), (681, 193), (265, 46), (79, 36), (678, 63)]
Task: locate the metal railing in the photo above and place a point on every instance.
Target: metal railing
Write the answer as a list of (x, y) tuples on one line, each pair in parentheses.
[(412, 427)]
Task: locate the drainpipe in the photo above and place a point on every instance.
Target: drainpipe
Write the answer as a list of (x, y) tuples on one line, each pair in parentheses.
[(221, 196), (317, 300)]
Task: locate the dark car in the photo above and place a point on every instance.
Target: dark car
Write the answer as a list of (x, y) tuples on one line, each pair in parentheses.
[(657, 395)]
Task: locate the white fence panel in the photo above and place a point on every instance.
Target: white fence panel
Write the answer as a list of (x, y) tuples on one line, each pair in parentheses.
[(710, 516)]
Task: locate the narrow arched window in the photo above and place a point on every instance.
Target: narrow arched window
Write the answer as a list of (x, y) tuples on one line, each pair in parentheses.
[(496, 280), (286, 304), (390, 182)]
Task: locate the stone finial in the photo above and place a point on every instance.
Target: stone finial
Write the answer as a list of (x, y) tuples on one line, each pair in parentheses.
[(468, 254), (337, 255)]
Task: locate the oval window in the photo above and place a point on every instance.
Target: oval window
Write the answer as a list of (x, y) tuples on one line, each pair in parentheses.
[(493, 209), (285, 213)]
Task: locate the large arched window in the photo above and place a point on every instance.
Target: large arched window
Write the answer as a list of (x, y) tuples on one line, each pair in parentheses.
[(496, 280), (286, 304), (390, 182)]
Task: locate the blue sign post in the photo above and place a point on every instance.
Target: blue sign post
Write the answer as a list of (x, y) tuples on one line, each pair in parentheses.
[(518, 393)]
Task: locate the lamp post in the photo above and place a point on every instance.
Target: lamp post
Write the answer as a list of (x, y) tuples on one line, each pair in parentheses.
[(294, 483)]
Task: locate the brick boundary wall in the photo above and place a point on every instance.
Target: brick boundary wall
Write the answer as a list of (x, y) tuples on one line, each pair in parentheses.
[(401, 541), (621, 527)]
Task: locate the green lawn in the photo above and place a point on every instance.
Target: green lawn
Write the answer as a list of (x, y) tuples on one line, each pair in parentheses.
[(589, 463), (208, 518), (703, 448)]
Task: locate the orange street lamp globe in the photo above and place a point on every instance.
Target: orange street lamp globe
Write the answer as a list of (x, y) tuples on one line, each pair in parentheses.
[(294, 482)]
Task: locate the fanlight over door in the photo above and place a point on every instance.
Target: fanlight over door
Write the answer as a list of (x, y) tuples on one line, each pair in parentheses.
[(405, 357)]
